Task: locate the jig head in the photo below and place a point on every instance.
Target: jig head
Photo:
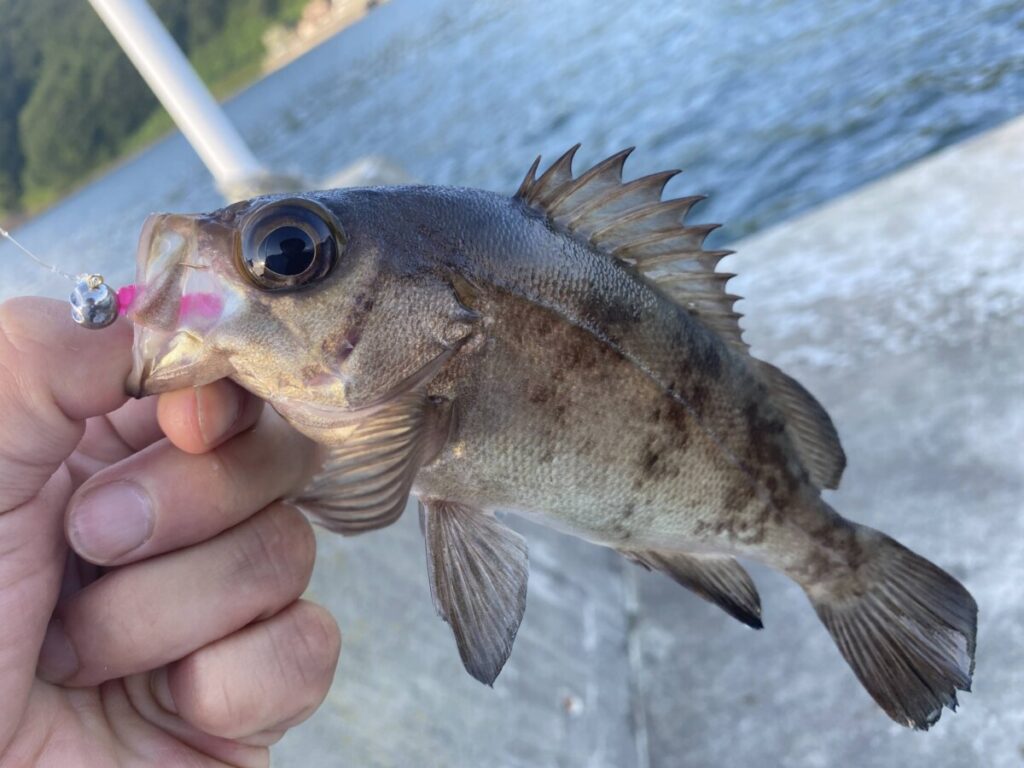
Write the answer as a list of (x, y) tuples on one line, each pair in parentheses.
[(94, 304)]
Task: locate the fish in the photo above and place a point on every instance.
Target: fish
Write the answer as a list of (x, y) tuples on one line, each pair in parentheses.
[(569, 353)]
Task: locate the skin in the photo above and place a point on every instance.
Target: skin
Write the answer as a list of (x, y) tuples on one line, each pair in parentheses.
[(193, 648), (468, 346)]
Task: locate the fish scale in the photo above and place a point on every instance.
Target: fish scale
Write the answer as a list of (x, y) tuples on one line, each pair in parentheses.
[(570, 354)]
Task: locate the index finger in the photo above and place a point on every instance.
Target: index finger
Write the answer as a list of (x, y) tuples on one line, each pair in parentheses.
[(53, 375)]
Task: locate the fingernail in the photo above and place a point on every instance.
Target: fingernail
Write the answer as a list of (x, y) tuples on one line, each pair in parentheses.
[(110, 521), (161, 690), (217, 409), (57, 658)]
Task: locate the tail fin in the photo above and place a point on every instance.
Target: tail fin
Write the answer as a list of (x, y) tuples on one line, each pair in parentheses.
[(907, 628)]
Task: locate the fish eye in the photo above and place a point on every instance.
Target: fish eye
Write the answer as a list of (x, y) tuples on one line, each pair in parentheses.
[(289, 244)]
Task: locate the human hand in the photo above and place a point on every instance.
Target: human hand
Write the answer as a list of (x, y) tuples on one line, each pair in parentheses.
[(178, 637)]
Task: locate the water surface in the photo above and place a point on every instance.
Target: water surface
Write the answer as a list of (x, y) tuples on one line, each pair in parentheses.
[(770, 107)]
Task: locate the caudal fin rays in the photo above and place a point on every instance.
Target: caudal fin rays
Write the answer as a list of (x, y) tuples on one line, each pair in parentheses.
[(907, 629)]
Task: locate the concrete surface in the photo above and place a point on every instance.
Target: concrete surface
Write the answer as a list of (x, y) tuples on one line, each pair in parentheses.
[(901, 306)]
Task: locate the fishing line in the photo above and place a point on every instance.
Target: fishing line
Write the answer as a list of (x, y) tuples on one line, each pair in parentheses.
[(35, 258), (94, 304)]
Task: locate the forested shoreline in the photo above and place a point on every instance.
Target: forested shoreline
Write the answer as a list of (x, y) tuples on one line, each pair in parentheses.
[(71, 102)]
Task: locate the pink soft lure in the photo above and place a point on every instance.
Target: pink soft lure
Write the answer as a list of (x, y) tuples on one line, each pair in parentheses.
[(125, 297), (201, 304), (205, 305)]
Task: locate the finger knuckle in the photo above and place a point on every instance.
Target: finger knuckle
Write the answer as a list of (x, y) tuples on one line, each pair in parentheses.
[(277, 551), (10, 322), (16, 339), (203, 697), (315, 646)]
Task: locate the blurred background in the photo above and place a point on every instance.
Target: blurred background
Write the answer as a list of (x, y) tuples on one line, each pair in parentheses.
[(865, 160)]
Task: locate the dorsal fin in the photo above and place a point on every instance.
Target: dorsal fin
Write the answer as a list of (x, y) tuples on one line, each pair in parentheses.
[(630, 222), (808, 425)]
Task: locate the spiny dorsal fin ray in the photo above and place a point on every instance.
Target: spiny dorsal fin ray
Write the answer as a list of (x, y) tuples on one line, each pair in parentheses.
[(558, 174), (620, 198), (529, 180), (619, 228), (630, 222), (577, 195)]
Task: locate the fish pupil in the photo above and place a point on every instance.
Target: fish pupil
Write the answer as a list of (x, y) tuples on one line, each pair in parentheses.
[(287, 251), (288, 245)]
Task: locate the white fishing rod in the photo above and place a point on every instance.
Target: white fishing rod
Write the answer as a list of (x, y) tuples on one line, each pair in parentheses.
[(183, 94), (167, 71)]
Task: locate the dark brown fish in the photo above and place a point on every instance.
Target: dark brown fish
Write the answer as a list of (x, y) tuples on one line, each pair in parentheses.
[(568, 353)]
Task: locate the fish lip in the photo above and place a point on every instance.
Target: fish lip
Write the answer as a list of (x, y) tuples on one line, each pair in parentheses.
[(135, 384), (165, 355), (149, 347), (152, 332)]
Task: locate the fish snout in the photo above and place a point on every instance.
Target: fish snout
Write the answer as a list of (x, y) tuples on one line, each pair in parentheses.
[(178, 301)]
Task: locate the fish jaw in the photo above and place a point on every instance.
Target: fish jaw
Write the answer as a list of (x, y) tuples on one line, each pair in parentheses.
[(180, 302)]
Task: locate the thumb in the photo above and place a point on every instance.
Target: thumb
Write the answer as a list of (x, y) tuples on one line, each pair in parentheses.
[(53, 375)]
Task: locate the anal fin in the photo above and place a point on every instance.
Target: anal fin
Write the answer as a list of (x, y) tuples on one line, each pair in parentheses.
[(478, 571), (719, 579), (365, 481)]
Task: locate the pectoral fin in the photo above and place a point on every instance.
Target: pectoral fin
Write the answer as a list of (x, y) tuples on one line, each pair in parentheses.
[(717, 578), (365, 482), (477, 569)]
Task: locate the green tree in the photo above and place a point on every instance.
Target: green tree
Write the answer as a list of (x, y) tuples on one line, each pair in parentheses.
[(20, 61), (70, 100), (10, 146), (86, 102)]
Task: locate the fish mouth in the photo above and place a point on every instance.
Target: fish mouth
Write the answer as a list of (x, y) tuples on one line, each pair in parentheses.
[(162, 361), (177, 303)]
